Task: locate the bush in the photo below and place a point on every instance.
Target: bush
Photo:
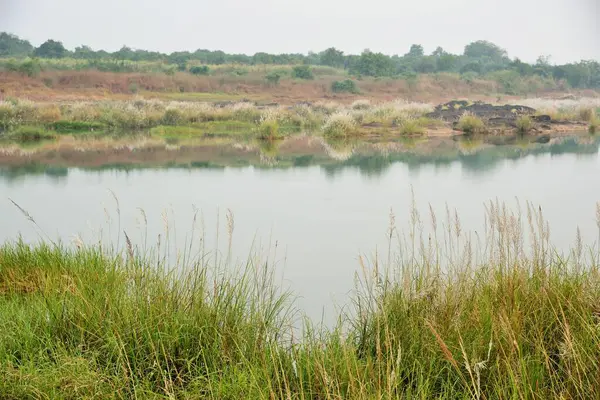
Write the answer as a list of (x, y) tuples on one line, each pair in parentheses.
[(172, 116), (30, 134), (340, 124), (49, 114), (347, 86), (470, 123), (587, 114), (273, 77), (269, 129), (411, 126), (200, 70), (524, 124), (302, 72)]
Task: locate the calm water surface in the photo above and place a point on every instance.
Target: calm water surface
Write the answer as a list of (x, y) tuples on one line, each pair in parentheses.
[(319, 219)]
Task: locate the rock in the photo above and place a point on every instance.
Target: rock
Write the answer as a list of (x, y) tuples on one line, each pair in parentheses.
[(543, 139), (542, 118)]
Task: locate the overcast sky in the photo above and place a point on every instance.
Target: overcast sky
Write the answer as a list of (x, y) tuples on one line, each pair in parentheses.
[(568, 30)]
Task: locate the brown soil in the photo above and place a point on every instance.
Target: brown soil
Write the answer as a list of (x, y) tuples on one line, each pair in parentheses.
[(91, 84)]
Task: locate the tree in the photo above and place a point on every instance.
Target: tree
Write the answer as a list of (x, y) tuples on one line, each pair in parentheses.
[(416, 50), (332, 57), (439, 52), (373, 64), (51, 49), (11, 45), (484, 49)]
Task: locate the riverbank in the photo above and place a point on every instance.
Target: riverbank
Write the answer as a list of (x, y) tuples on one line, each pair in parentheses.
[(502, 319), (27, 122)]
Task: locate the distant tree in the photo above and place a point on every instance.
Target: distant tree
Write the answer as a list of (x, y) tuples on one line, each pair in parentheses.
[(332, 57), (426, 65), (373, 64), (485, 49), (11, 45), (51, 49), (416, 50), (439, 52), (447, 62), (84, 53), (200, 70)]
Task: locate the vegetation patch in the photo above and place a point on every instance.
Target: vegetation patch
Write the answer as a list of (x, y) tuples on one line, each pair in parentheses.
[(469, 123), (345, 86), (524, 124), (24, 134), (76, 126)]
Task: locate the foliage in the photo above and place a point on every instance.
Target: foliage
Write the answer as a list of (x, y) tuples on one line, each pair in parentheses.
[(24, 134), (200, 70), (470, 123), (347, 85), (411, 127), (433, 322), (302, 72), (76, 126), (524, 124), (480, 57), (11, 45), (340, 124), (372, 64), (51, 49), (332, 57), (273, 77)]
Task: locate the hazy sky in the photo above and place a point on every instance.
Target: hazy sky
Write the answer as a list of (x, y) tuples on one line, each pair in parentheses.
[(568, 30)]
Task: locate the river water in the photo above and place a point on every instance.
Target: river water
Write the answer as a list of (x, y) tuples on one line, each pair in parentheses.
[(312, 221)]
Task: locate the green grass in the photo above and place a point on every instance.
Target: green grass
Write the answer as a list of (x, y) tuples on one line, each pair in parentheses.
[(83, 323), (469, 123), (28, 134), (411, 127), (524, 124)]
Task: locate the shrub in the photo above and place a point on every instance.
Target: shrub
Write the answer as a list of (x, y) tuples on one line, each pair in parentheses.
[(200, 70), (362, 104), (339, 124), (302, 72), (411, 126), (470, 123), (30, 134), (347, 86), (273, 77), (49, 114), (587, 114), (30, 68), (172, 116), (269, 129), (524, 124)]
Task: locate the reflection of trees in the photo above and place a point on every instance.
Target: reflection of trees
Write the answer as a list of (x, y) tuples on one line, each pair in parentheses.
[(12, 173), (481, 161)]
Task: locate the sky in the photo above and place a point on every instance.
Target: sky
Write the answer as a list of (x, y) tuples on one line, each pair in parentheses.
[(565, 30)]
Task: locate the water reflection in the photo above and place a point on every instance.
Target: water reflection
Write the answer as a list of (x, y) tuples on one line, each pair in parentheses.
[(474, 155)]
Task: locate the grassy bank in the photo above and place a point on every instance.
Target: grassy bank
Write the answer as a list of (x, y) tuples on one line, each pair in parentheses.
[(456, 318), (27, 121)]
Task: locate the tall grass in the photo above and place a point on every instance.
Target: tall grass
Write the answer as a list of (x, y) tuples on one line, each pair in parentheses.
[(450, 315)]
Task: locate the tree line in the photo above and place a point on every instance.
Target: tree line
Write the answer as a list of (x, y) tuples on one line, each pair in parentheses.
[(478, 59)]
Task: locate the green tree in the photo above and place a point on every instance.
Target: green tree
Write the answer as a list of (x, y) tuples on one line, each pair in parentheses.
[(11, 45), (51, 49), (484, 49), (373, 64), (416, 50), (332, 57)]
